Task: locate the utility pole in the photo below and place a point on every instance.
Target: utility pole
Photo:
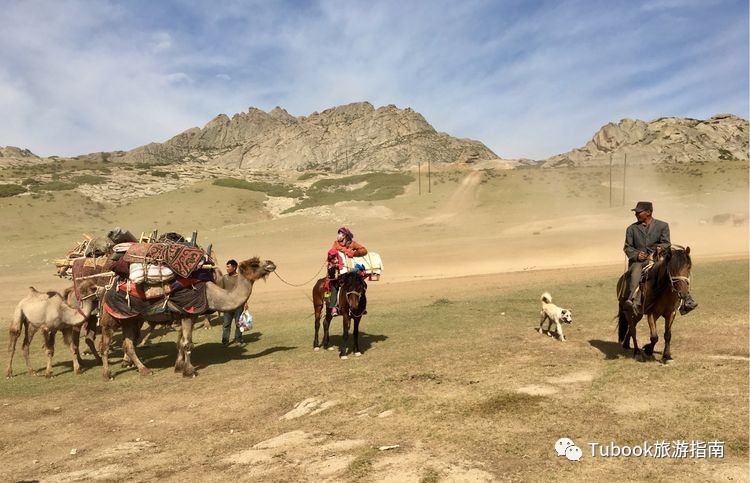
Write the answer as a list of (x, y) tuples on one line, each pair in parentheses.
[(419, 177), (610, 180), (624, 168), (429, 177)]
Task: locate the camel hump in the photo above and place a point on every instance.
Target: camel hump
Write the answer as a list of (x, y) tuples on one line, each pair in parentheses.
[(32, 289), (546, 298), (52, 293)]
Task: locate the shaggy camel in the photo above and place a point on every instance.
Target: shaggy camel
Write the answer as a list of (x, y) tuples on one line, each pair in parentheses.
[(50, 312), (218, 299)]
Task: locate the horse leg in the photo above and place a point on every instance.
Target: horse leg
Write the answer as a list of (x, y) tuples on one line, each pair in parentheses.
[(649, 348), (636, 350), (129, 335), (667, 355), (326, 327), (357, 353), (342, 351), (318, 313), (186, 341)]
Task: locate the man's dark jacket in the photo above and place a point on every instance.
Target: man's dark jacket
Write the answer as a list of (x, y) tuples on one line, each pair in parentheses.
[(640, 237)]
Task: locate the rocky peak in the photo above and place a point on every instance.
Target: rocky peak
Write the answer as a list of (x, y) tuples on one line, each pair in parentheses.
[(666, 139)]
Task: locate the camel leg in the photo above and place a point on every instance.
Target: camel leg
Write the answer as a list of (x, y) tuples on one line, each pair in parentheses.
[(668, 321), (186, 346), (13, 334), (27, 338), (49, 346), (318, 313), (91, 340), (147, 338), (70, 337), (104, 348), (355, 334), (179, 364), (344, 343), (649, 348), (129, 335)]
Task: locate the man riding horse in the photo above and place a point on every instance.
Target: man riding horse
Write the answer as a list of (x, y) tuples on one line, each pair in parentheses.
[(645, 241)]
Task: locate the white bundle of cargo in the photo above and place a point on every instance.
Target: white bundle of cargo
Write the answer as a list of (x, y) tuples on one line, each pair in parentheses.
[(373, 265), (141, 272)]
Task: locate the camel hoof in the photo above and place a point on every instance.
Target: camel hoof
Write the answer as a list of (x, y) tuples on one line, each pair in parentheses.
[(316, 349), (189, 373), (357, 354), (343, 358), (146, 372)]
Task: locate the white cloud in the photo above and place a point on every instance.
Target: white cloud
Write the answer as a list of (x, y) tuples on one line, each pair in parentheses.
[(528, 81)]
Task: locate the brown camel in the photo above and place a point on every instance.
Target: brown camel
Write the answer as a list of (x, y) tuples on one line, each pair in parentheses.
[(218, 299), (50, 312)]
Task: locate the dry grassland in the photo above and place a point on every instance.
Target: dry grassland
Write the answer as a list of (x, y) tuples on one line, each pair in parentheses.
[(453, 371)]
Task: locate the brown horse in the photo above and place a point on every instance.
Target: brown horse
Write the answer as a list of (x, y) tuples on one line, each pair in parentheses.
[(352, 305), (666, 289)]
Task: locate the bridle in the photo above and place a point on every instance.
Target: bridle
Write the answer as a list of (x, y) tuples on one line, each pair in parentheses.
[(358, 293)]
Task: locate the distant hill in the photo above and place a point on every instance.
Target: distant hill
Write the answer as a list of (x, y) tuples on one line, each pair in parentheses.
[(12, 156), (667, 139), (350, 138)]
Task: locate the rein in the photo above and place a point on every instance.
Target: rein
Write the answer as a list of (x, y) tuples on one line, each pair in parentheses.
[(300, 284)]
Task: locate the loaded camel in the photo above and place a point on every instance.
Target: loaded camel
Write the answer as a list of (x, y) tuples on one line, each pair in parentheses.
[(51, 312), (217, 298)]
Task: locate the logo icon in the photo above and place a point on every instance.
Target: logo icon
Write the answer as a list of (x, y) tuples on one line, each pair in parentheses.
[(566, 447)]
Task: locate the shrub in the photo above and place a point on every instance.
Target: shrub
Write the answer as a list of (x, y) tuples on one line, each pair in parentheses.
[(55, 186), (268, 188), (159, 174), (7, 190), (88, 179)]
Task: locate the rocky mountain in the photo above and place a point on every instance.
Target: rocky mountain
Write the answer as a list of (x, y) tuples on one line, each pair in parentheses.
[(667, 139), (350, 138), (12, 156)]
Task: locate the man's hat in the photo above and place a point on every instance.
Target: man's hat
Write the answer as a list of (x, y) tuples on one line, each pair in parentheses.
[(643, 206)]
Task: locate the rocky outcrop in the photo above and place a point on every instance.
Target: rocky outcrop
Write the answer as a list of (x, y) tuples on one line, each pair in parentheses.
[(12, 156), (351, 138), (667, 139)]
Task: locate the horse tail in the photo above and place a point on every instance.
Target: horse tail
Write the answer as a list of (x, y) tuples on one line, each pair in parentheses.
[(622, 327), (546, 298)]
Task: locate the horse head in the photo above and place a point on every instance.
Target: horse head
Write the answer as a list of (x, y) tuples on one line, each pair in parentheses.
[(354, 288), (678, 267)]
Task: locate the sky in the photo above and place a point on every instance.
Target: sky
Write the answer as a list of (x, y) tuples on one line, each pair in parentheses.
[(528, 78)]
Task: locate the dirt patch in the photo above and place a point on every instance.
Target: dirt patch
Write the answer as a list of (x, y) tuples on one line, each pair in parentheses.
[(537, 390), (309, 406), (572, 378)]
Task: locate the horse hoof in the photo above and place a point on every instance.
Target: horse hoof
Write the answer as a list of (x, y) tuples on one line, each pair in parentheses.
[(343, 358), (667, 361), (357, 354), (316, 349), (331, 348)]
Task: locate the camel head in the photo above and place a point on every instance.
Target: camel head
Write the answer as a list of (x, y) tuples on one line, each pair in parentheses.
[(255, 269), (87, 288)]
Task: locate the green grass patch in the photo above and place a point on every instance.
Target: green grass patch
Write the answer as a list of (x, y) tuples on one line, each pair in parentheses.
[(362, 187), (7, 190), (55, 186), (271, 189), (88, 179)]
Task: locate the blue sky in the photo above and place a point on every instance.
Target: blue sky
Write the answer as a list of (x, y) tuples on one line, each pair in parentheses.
[(527, 78)]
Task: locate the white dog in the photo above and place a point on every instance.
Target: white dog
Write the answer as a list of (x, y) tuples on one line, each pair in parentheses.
[(553, 313)]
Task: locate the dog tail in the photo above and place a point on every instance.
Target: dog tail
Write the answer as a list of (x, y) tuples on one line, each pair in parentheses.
[(546, 298)]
